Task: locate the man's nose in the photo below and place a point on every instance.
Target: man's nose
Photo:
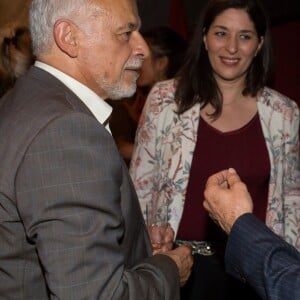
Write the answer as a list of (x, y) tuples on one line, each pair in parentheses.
[(139, 45)]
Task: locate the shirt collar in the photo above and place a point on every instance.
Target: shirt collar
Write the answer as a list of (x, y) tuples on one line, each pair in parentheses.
[(99, 108)]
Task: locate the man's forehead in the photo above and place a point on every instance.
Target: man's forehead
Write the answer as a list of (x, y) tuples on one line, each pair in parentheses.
[(115, 6), (123, 13)]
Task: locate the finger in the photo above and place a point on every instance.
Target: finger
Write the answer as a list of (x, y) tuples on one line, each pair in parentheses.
[(213, 218), (156, 251), (235, 180), (217, 179), (206, 205), (232, 177), (155, 234), (166, 247), (169, 234), (168, 238), (188, 246)]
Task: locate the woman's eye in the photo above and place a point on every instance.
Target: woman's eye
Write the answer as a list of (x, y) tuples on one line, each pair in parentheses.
[(245, 36), (220, 33)]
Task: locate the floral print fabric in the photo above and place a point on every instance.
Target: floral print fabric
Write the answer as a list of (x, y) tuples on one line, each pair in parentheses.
[(165, 142)]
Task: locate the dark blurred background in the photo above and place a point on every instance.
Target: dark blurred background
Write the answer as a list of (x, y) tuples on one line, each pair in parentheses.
[(284, 15), (182, 15), (161, 12)]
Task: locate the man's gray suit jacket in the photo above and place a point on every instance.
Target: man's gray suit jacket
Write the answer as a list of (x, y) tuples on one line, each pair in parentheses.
[(70, 222)]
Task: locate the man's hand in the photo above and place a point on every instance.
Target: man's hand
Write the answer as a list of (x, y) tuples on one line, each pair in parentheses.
[(181, 255), (184, 261), (226, 198), (162, 238)]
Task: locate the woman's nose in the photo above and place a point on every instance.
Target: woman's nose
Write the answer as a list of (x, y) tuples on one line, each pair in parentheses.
[(232, 45)]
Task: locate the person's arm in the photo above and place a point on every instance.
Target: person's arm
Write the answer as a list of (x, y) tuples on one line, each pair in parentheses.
[(290, 176), (69, 198), (256, 255), (145, 166), (144, 161)]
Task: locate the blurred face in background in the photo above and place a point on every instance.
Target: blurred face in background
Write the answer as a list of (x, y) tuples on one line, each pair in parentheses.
[(153, 69)]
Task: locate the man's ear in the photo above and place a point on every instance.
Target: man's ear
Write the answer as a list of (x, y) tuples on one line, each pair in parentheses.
[(65, 35)]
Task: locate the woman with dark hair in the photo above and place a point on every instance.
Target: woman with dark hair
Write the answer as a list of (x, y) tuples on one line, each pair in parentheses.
[(167, 51), (218, 113)]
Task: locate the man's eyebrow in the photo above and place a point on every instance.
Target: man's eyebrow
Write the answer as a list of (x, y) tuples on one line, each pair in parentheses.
[(129, 26)]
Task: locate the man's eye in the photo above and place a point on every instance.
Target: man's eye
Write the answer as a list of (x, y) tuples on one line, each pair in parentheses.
[(127, 34)]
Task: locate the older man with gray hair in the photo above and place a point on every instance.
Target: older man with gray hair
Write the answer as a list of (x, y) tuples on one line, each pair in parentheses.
[(70, 223)]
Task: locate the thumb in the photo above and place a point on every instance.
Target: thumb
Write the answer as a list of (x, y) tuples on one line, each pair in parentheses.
[(232, 177)]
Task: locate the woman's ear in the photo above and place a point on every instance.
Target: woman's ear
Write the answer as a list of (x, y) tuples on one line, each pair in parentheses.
[(161, 67), (259, 45), (204, 41), (163, 62), (65, 35)]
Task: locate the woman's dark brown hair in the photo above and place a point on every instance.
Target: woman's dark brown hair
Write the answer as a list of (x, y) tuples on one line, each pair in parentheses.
[(196, 83), (164, 41)]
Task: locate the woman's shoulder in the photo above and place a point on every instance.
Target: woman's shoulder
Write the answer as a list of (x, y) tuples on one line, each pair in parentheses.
[(162, 94), (166, 87), (276, 100), (160, 101)]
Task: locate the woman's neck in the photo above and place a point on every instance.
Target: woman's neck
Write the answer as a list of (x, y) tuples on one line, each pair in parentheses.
[(232, 92)]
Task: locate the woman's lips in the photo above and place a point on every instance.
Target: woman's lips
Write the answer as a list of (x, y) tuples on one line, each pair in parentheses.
[(229, 60)]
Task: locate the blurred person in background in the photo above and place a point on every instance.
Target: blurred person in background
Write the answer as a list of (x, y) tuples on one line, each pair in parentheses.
[(167, 50), (16, 55)]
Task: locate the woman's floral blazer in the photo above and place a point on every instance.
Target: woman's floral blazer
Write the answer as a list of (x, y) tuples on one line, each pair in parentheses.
[(165, 142)]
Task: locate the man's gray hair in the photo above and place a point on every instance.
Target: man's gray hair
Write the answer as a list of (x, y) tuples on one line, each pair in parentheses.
[(42, 16)]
